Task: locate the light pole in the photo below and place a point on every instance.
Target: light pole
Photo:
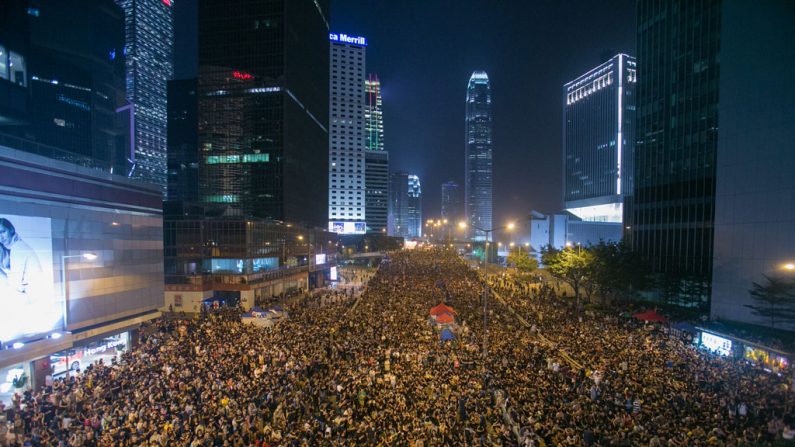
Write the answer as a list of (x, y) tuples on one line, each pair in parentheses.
[(509, 226), (64, 289)]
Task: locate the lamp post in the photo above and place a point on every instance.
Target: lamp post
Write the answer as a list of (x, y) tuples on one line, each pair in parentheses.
[(509, 226), (64, 290)]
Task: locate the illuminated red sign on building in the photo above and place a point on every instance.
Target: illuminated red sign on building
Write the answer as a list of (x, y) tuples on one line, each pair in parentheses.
[(241, 75), (167, 2)]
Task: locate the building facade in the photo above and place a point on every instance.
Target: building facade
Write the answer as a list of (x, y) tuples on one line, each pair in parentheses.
[(755, 186), (599, 140), (414, 211), (149, 52), (405, 205), (263, 110), (478, 156), (348, 137), (183, 143), (376, 159), (67, 64), (242, 262), (673, 204), (376, 182), (93, 246), (452, 207), (373, 114)]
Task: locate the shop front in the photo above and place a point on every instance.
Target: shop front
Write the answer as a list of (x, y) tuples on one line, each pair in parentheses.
[(729, 346), (75, 359)]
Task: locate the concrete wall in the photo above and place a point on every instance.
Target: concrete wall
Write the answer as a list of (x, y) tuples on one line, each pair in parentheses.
[(755, 190)]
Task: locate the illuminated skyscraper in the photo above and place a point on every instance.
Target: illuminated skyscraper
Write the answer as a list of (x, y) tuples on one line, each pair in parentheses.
[(414, 215), (373, 116), (376, 160), (149, 52), (346, 183), (599, 140), (405, 205), (478, 162)]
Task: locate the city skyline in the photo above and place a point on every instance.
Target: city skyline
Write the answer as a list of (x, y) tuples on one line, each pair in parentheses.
[(527, 100)]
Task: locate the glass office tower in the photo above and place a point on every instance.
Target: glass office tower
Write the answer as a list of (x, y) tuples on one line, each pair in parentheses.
[(677, 133), (599, 140), (376, 159), (263, 109), (150, 65), (478, 161)]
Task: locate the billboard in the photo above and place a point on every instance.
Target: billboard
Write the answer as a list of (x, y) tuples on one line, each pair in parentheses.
[(30, 305), (347, 227)]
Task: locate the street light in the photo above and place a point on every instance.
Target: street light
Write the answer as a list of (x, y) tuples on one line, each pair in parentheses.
[(789, 266), (88, 256)]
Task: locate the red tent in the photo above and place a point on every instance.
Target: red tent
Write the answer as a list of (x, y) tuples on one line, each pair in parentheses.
[(651, 315), (444, 318), (442, 309)]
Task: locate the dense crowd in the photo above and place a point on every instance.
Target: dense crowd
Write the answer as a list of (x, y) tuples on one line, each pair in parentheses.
[(370, 369)]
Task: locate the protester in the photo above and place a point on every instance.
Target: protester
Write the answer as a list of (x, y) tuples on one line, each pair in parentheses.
[(371, 369)]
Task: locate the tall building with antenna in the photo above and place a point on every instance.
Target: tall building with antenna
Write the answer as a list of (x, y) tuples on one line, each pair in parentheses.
[(478, 149)]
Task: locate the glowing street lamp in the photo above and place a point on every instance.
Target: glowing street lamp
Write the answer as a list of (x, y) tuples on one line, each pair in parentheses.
[(510, 226), (789, 266)]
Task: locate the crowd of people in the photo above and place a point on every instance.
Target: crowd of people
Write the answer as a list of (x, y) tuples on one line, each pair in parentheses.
[(526, 369)]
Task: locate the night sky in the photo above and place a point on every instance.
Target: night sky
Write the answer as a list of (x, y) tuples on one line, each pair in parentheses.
[(424, 52)]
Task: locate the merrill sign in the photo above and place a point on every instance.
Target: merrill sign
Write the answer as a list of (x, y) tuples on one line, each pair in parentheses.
[(348, 39)]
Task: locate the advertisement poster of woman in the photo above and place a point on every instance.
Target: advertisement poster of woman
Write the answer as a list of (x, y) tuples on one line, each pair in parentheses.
[(29, 305)]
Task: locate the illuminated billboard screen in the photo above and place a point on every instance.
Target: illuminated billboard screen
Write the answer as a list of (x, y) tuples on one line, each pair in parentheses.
[(30, 304), (333, 274), (320, 259), (347, 227), (720, 345)]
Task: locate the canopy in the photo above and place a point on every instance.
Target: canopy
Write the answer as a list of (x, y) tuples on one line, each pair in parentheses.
[(446, 334), (650, 315), (444, 318), (441, 309)]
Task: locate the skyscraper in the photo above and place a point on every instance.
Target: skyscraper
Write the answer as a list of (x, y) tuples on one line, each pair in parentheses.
[(673, 203), (263, 109), (346, 179), (376, 182), (149, 51), (376, 160), (183, 152), (405, 205), (63, 65), (451, 201), (478, 150), (599, 140), (373, 115), (414, 214)]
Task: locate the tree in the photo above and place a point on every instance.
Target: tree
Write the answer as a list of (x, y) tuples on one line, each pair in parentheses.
[(521, 260), (570, 265), (615, 270), (775, 300)]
